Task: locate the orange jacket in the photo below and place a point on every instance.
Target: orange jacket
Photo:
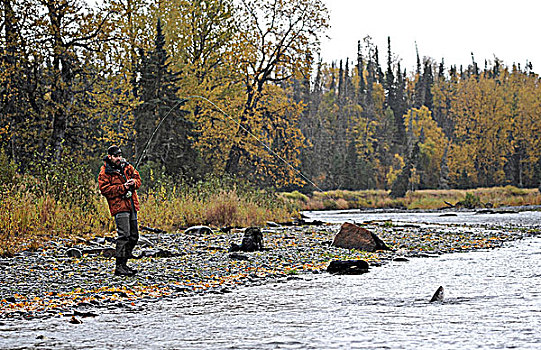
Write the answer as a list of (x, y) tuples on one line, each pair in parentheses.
[(111, 183)]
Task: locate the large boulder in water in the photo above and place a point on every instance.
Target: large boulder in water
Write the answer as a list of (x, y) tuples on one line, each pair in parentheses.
[(354, 237)]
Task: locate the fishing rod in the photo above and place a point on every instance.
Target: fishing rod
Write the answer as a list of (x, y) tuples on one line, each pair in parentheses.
[(236, 122)]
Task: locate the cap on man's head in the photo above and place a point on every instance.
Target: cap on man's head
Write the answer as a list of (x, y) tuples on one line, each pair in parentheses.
[(114, 151)]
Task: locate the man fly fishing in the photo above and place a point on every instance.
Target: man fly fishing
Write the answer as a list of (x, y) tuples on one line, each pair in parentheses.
[(118, 181)]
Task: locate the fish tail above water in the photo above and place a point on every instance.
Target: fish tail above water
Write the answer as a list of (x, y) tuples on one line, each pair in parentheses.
[(438, 296)]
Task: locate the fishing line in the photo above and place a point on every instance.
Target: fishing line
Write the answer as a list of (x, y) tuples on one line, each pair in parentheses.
[(236, 122), (156, 129)]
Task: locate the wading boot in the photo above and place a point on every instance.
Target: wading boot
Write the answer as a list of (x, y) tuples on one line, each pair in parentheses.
[(133, 271), (131, 256), (121, 268)]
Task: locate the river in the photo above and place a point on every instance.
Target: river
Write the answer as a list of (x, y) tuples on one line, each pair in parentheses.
[(507, 217), (492, 301)]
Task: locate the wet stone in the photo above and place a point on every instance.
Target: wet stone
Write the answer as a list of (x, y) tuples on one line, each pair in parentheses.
[(400, 259), (238, 256), (74, 253)]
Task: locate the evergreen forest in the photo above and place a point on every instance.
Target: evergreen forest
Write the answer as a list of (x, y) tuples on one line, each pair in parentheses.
[(196, 88)]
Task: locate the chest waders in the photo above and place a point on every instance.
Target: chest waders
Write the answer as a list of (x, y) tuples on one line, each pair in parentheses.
[(128, 236)]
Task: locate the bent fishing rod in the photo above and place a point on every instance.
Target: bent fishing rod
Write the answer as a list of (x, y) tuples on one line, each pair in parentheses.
[(184, 100)]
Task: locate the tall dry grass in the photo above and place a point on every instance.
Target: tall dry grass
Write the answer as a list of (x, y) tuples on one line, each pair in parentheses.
[(28, 222), (219, 209), (30, 218)]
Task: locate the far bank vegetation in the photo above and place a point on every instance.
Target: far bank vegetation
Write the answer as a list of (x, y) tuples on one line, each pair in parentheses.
[(478, 198)]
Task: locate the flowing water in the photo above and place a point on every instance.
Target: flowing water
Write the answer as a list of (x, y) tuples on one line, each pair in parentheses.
[(502, 218), (492, 301)]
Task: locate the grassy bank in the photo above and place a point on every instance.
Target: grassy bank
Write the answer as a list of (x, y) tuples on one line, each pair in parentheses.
[(34, 211), (38, 208), (422, 199)]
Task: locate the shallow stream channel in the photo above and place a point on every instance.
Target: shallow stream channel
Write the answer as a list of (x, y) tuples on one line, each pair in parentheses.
[(492, 301)]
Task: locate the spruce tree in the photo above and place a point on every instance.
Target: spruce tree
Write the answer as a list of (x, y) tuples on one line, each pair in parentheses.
[(379, 71), (360, 69), (170, 148), (441, 70), (332, 86), (419, 90), (340, 81), (348, 86), (428, 81), (418, 66), (474, 68), (389, 78), (443, 183), (399, 108)]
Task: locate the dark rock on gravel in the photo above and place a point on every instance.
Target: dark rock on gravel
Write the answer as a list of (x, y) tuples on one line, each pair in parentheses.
[(237, 256), (74, 253), (348, 267), (251, 242), (302, 222), (196, 230)]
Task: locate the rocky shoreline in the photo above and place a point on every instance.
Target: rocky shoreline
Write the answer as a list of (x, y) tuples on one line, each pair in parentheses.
[(58, 282)]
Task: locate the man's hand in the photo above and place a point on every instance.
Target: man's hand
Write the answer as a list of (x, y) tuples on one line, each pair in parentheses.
[(129, 183)]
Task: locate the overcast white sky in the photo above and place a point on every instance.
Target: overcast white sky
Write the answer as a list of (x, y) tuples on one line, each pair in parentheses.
[(451, 30)]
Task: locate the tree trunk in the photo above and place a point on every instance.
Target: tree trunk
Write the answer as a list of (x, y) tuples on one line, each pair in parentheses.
[(61, 69), (233, 159)]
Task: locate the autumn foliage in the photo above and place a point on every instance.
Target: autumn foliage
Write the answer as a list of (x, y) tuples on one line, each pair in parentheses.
[(193, 90), (213, 87), (438, 127)]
